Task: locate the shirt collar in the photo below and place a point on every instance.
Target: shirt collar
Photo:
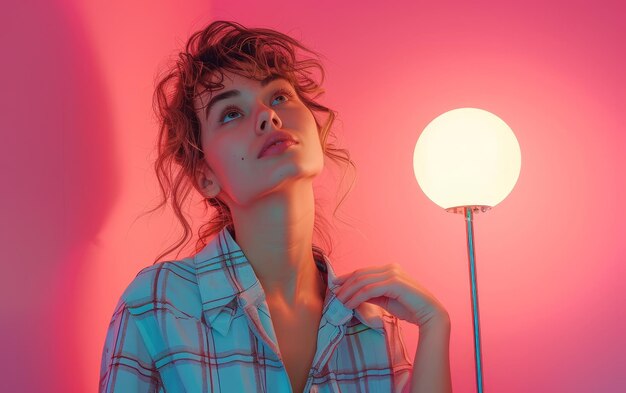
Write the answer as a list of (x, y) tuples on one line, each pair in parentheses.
[(226, 281)]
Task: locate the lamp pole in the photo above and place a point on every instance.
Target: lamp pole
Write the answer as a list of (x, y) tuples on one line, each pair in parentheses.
[(469, 218)]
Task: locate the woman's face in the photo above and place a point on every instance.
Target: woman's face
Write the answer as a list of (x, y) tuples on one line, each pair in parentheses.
[(237, 126)]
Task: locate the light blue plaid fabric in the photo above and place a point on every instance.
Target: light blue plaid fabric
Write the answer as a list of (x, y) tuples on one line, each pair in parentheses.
[(201, 324)]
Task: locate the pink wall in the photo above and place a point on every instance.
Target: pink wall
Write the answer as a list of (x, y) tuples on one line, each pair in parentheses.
[(77, 80)]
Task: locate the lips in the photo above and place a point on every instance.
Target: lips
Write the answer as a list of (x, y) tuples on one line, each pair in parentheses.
[(275, 137)]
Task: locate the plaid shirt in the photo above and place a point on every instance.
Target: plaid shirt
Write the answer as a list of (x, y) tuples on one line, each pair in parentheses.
[(201, 324)]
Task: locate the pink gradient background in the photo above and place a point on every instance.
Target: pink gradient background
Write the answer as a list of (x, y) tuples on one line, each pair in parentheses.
[(78, 133)]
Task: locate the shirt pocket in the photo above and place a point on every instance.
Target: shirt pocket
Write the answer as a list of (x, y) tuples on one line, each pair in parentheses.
[(179, 347)]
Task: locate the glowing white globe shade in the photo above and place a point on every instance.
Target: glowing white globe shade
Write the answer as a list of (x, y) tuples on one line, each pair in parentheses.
[(467, 157)]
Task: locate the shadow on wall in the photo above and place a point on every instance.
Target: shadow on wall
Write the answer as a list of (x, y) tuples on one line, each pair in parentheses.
[(60, 183)]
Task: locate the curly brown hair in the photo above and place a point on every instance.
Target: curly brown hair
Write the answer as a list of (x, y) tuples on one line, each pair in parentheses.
[(226, 46)]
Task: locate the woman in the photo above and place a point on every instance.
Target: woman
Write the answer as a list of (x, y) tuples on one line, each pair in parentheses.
[(259, 308)]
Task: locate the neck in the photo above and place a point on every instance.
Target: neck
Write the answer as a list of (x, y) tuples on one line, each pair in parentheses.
[(275, 234)]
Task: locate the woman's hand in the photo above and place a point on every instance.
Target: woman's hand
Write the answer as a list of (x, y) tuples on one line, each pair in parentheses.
[(391, 288)]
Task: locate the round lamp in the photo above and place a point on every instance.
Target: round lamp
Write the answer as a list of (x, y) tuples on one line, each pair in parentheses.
[(467, 157)]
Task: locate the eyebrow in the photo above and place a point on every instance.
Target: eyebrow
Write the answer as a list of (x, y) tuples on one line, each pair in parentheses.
[(234, 93)]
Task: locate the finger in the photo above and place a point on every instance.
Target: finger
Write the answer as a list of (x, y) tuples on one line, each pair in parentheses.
[(352, 285), (378, 289), (364, 271), (382, 301)]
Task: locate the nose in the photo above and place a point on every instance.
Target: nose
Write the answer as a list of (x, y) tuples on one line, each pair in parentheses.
[(266, 119)]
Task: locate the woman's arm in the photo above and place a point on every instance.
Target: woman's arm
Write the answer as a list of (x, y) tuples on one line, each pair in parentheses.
[(126, 364), (431, 367), (391, 288)]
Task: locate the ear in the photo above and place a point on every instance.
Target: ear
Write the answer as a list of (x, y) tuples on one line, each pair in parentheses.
[(206, 182)]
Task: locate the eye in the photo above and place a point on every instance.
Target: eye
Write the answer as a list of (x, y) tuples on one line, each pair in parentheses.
[(283, 92), (230, 109), (233, 110)]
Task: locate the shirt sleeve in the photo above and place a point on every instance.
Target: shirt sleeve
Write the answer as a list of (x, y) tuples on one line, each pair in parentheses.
[(126, 363)]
